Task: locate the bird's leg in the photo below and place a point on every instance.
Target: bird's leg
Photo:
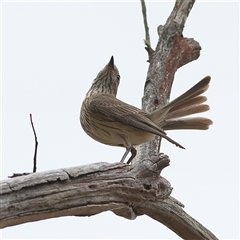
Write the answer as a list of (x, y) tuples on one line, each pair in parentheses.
[(134, 152), (125, 154), (129, 148)]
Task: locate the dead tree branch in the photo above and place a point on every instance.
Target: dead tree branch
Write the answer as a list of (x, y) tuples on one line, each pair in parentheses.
[(34, 156), (36, 146), (83, 191), (147, 35), (91, 189)]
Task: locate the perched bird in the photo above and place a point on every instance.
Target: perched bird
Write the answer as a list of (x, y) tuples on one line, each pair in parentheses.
[(113, 122)]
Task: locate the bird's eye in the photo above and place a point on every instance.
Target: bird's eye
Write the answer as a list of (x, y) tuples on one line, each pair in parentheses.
[(118, 78)]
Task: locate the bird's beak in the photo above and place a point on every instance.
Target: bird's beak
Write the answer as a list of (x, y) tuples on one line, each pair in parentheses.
[(111, 63)]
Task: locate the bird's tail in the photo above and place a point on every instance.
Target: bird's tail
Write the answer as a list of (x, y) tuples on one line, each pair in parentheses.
[(172, 116)]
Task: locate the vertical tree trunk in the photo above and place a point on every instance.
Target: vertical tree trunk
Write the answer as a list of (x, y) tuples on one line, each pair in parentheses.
[(172, 52)]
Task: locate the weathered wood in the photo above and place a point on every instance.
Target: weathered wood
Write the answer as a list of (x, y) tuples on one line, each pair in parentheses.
[(128, 191), (170, 213), (172, 52), (82, 191)]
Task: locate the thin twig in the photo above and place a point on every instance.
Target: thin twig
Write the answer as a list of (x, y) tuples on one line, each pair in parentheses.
[(36, 145), (147, 36), (34, 157)]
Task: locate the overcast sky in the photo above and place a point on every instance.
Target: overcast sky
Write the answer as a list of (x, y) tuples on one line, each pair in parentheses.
[(52, 51)]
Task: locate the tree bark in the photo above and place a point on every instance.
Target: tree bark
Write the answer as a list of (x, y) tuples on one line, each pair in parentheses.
[(128, 191), (83, 191), (172, 52)]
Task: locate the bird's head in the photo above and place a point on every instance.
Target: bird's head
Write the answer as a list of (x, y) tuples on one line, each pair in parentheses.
[(107, 80)]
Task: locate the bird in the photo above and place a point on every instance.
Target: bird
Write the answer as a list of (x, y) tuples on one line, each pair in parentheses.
[(113, 122)]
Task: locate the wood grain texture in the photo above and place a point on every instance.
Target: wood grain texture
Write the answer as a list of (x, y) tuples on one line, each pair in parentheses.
[(128, 191), (82, 191)]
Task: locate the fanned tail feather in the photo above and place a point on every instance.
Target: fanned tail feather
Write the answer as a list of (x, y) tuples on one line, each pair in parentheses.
[(172, 115), (188, 123)]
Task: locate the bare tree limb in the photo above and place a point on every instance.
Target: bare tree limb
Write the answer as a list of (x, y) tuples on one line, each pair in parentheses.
[(128, 191), (35, 154), (36, 146), (174, 217), (144, 12), (147, 36), (172, 52), (83, 191)]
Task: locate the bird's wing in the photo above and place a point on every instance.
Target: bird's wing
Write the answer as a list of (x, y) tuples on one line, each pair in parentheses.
[(122, 112), (117, 110)]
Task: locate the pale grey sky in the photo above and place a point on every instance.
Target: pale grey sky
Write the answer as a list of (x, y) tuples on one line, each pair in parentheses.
[(52, 51)]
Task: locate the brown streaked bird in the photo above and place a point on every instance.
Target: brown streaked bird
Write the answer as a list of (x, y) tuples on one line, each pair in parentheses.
[(113, 122)]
